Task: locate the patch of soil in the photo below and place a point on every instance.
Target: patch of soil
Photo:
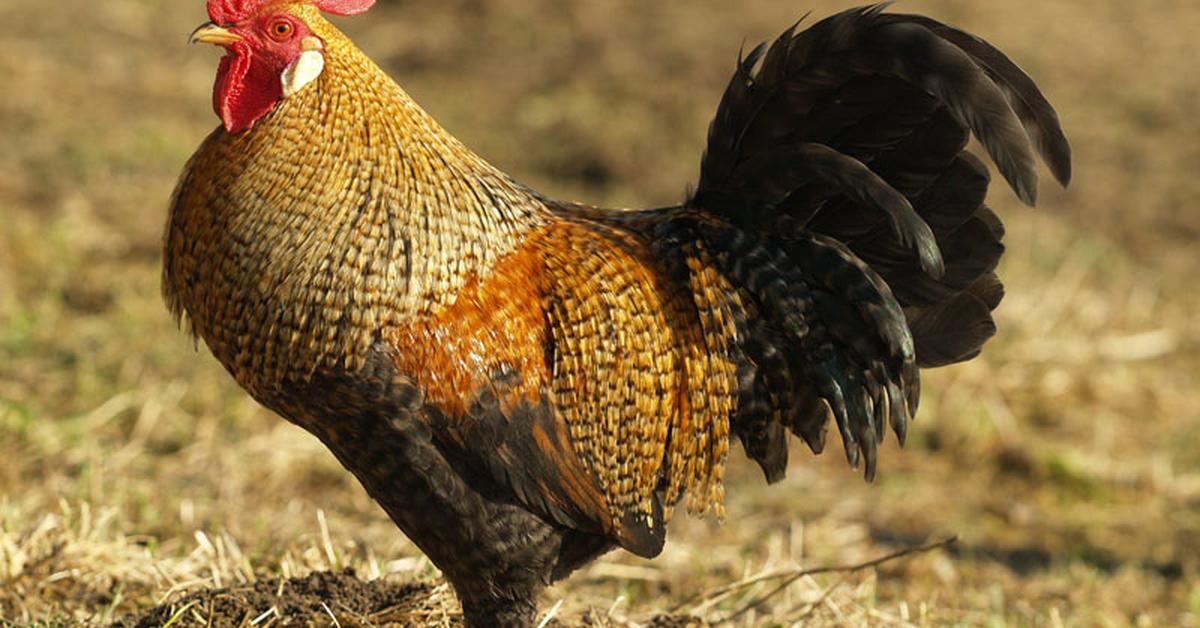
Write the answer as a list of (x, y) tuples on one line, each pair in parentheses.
[(315, 599), (595, 619), (342, 599)]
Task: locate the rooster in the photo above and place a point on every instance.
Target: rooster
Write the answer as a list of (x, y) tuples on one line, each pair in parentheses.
[(524, 384)]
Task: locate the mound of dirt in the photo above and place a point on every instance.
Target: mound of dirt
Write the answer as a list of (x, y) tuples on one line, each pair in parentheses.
[(340, 599), (316, 599)]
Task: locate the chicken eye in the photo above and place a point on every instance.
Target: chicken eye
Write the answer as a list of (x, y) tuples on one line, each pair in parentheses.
[(281, 30)]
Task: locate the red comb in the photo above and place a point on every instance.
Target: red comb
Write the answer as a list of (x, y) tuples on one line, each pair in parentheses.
[(229, 11)]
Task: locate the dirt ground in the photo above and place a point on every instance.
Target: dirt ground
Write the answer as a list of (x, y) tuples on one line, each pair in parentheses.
[(139, 485), (320, 594), (328, 598)]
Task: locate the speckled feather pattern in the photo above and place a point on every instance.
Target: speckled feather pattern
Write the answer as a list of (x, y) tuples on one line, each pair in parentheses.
[(524, 384), (348, 215)]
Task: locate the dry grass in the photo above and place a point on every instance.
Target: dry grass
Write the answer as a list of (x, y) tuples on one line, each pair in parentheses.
[(1066, 459)]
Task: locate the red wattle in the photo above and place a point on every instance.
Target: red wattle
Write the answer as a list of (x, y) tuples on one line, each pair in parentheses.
[(246, 89)]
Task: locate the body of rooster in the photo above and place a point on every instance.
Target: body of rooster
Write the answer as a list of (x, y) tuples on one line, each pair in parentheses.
[(524, 384)]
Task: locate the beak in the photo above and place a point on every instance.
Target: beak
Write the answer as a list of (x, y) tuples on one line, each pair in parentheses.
[(210, 33)]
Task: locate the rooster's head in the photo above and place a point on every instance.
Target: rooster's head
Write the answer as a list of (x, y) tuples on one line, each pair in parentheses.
[(272, 52)]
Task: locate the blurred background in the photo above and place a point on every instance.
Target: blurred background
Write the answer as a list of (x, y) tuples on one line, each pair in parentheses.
[(1066, 458)]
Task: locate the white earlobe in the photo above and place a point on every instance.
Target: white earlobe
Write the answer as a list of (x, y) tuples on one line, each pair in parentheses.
[(304, 70)]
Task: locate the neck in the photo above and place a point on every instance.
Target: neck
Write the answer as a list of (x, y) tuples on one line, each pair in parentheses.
[(347, 208), (407, 166)]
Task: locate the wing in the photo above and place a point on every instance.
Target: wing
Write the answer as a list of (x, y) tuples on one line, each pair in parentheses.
[(562, 382)]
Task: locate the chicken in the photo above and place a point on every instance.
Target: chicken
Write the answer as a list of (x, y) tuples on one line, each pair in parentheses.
[(524, 384)]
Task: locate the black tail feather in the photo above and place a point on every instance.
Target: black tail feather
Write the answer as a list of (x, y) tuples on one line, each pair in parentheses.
[(815, 320), (857, 228), (771, 176), (1027, 101)]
